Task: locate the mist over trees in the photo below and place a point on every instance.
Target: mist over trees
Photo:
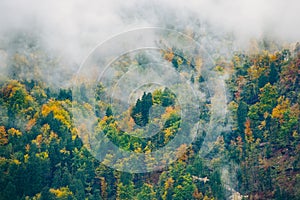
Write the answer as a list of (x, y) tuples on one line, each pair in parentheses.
[(44, 156)]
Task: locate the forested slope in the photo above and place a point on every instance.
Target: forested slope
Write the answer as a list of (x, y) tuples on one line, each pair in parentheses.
[(42, 156)]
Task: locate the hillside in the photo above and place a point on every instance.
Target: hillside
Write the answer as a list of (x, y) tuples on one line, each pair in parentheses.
[(44, 155)]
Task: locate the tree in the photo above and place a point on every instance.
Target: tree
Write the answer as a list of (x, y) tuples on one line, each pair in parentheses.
[(3, 136), (147, 193), (140, 112), (242, 114), (168, 98), (10, 192), (63, 193), (185, 189), (125, 192), (274, 75)]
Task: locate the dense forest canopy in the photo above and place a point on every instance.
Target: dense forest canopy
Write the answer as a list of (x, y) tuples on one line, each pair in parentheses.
[(43, 155)]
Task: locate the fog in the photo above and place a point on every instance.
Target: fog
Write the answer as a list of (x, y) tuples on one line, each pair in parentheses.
[(72, 28)]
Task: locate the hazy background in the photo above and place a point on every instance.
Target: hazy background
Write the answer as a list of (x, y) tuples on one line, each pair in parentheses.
[(71, 28)]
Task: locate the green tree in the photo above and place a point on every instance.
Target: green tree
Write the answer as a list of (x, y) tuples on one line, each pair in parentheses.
[(140, 112), (147, 193)]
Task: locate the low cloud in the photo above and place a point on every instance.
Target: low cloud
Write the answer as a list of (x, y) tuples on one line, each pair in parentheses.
[(73, 28)]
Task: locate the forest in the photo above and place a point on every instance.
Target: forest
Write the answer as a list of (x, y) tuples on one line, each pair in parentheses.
[(44, 156)]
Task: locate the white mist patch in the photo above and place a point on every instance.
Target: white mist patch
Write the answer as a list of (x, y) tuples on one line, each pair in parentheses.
[(72, 28)]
